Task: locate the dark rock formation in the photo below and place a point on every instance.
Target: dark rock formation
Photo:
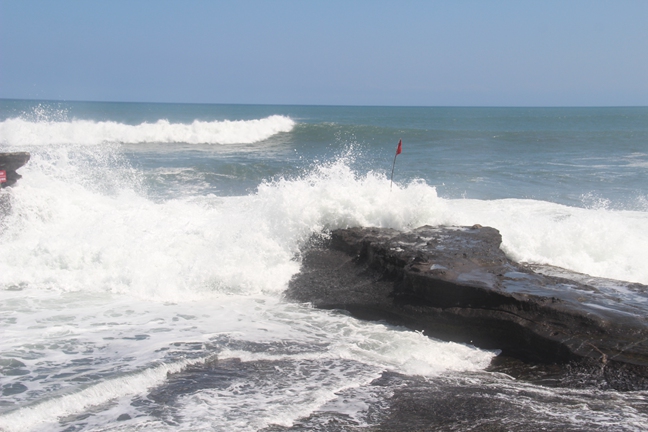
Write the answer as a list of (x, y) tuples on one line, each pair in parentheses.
[(10, 162), (455, 283)]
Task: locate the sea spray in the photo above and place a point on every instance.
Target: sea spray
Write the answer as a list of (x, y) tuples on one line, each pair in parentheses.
[(599, 242), (69, 226), (120, 255)]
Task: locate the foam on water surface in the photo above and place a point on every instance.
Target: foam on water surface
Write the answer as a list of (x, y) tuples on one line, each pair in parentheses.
[(19, 131), (599, 242), (114, 296), (72, 351), (104, 290)]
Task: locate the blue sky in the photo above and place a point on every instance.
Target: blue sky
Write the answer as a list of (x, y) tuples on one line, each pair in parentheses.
[(351, 52)]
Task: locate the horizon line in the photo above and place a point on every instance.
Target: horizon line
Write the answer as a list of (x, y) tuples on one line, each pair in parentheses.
[(318, 105)]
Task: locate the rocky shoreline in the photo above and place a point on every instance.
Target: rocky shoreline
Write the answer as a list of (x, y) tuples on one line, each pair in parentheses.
[(456, 284)]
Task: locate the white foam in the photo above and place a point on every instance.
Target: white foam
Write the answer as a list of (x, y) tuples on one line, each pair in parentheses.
[(65, 233), (20, 132), (68, 237), (68, 234), (252, 406), (384, 347), (49, 410), (224, 261), (334, 196), (575, 409), (317, 353), (599, 242), (344, 354), (99, 263)]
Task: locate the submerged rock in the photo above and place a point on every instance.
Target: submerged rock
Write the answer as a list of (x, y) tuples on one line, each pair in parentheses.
[(456, 284)]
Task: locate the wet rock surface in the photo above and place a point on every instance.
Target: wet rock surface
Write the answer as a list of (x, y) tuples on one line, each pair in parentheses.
[(10, 162), (476, 401), (456, 284)]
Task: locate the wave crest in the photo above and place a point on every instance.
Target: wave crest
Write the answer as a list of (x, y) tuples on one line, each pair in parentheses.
[(18, 131)]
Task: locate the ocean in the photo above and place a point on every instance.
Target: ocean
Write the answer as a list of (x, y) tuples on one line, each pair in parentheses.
[(147, 247)]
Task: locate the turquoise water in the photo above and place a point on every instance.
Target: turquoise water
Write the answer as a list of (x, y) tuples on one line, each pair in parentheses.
[(148, 238), (573, 156)]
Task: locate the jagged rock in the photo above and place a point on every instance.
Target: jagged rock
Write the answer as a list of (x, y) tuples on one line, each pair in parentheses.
[(456, 284), (10, 162)]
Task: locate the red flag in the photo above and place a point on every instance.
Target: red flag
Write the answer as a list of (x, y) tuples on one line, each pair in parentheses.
[(400, 147)]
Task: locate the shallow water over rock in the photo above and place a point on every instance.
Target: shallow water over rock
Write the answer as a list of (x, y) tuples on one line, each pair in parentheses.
[(456, 284)]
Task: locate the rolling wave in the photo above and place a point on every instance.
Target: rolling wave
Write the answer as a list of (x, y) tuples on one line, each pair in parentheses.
[(21, 132)]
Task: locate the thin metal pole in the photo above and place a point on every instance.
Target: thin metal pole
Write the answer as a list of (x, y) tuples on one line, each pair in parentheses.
[(398, 150), (392, 176)]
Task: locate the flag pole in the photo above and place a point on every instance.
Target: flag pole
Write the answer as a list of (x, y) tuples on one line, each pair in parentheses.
[(399, 149)]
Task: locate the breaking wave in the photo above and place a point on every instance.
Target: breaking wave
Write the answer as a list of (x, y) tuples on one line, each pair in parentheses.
[(21, 132), (51, 238)]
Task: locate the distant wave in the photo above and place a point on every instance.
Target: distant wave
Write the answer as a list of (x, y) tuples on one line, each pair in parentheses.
[(17, 131)]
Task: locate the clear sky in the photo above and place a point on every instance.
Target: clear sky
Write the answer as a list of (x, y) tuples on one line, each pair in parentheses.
[(333, 52)]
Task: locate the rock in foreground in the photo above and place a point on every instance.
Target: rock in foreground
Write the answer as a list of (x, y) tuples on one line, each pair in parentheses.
[(9, 163), (455, 283)]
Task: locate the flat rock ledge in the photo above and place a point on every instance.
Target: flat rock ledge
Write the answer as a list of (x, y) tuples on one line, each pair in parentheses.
[(456, 284)]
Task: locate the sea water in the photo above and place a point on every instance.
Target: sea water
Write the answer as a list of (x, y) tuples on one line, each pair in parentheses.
[(147, 246)]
